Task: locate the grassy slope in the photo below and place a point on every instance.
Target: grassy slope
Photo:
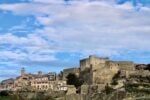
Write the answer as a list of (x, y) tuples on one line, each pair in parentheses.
[(4, 98)]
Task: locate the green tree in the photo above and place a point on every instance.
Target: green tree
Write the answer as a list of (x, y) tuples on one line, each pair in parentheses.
[(108, 89), (72, 79)]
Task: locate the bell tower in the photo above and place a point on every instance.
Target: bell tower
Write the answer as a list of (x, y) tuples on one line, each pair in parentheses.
[(22, 71)]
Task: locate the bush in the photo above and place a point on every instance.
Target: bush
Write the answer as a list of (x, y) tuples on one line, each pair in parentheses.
[(4, 93), (72, 79), (114, 82), (135, 88), (108, 89), (25, 96), (5, 98), (117, 76)]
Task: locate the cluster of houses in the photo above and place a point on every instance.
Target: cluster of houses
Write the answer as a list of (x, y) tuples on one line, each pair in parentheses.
[(35, 82)]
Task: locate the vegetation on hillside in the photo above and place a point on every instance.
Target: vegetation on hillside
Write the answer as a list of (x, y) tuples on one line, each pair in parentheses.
[(5, 95), (116, 78), (72, 79)]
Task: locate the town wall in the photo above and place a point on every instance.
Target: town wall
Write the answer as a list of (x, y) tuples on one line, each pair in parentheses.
[(70, 70), (93, 62), (104, 74), (126, 65)]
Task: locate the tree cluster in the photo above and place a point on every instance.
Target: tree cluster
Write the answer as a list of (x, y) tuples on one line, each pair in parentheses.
[(72, 79)]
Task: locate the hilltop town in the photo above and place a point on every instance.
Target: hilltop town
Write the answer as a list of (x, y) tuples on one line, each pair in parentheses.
[(98, 79)]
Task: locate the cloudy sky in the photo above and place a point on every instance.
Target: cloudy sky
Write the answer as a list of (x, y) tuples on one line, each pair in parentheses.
[(50, 35)]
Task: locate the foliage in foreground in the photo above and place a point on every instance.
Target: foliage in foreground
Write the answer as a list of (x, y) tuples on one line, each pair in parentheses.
[(5, 98)]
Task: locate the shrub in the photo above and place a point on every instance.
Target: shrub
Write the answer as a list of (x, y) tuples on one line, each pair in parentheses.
[(117, 75), (114, 82), (4, 93), (108, 89), (72, 79)]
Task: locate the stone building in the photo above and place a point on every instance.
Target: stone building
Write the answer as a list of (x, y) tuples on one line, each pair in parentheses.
[(126, 68), (7, 84), (71, 90), (60, 85), (34, 82), (104, 75), (126, 65), (22, 81), (52, 76), (40, 83), (85, 89), (102, 70), (92, 61)]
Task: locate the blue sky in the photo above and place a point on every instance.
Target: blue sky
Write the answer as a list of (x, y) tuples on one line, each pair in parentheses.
[(50, 35)]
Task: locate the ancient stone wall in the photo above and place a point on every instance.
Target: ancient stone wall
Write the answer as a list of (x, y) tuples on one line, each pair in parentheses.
[(71, 89), (84, 63), (140, 73), (93, 62), (103, 69), (126, 65), (103, 77), (70, 70), (85, 89), (103, 74)]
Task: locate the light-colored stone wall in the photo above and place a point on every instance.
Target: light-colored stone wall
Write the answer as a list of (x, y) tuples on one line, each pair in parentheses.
[(104, 74), (70, 70), (21, 82), (40, 85), (103, 69), (60, 85), (85, 89), (71, 89), (92, 61), (126, 65), (143, 73), (84, 63)]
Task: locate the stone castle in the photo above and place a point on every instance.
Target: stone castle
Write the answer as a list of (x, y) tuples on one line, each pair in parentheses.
[(102, 69), (95, 71)]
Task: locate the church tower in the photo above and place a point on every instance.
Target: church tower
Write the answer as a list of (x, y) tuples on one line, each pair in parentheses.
[(22, 71)]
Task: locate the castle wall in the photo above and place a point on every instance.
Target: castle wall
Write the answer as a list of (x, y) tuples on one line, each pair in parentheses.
[(93, 62), (103, 69), (105, 73), (104, 76), (142, 73), (98, 66), (70, 70), (85, 63), (126, 65)]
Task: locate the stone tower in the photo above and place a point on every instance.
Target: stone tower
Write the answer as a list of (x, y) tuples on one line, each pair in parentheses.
[(22, 71), (93, 61)]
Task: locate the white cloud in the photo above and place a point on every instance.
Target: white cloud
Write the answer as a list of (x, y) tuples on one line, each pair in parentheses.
[(31, 48), (48, 1), (101, 27), (89, 25)]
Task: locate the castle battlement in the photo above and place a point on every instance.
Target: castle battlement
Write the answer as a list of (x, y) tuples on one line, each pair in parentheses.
[(92, 61), (103, 69)]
